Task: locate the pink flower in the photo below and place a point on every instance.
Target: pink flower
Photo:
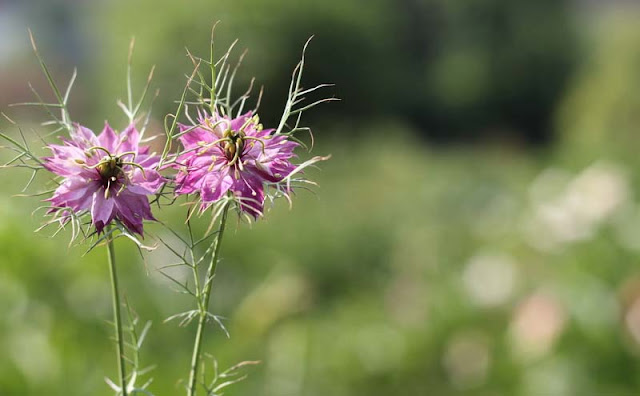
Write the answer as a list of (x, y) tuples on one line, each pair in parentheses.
[(109, 175), (237, 155)]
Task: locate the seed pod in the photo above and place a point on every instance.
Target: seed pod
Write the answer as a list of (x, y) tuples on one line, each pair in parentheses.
[(230, 149)]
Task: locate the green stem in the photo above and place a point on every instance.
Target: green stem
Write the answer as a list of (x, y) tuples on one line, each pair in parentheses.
[(116, 313), (195, 357)]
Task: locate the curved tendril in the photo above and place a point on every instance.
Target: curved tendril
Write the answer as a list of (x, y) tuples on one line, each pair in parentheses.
[(191, 150), (94, 166), (101, 149), (259, 140), (127, 181), (122, 187), (246, 123), (211, 127), (106, 190), (133, 153), (236, 155), (208, 145), (135, 166)]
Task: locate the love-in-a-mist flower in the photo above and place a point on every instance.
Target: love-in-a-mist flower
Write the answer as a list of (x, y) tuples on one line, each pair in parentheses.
[(237, 155), (109, 175)]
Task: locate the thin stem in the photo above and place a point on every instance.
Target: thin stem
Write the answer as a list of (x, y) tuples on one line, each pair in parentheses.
[(194, 267), (116, 312), (204, 304)]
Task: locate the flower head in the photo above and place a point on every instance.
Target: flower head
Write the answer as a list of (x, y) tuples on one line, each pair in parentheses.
[(238, 155), (109, 175)]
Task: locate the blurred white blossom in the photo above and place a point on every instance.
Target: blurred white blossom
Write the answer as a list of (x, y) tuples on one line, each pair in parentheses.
[(490, 279), (565, 211)]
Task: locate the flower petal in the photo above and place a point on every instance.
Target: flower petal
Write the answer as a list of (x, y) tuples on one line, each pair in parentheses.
[(132, 209), (214, 186), (101, 210), (195, 136), (129, 140), (108, 138), (237, 123), (145, 183), (75, 193), (83, 137), (250, 191)]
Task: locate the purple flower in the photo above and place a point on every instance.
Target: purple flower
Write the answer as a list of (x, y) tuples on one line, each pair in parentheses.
[(237, 155), (109, 175)]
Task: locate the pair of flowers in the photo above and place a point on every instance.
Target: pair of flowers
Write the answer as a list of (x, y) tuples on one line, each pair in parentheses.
[(111, 175)]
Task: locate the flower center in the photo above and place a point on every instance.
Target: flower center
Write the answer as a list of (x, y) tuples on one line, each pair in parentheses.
[(110, 168), (233, 144)]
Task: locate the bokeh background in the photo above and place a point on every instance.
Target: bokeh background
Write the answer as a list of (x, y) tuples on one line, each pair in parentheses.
[(476, 231)]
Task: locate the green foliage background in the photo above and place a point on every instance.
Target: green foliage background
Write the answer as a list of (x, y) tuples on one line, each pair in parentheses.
[(377, 283)]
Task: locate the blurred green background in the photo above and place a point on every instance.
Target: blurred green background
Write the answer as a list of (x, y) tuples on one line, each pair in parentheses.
[(476, 231)]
